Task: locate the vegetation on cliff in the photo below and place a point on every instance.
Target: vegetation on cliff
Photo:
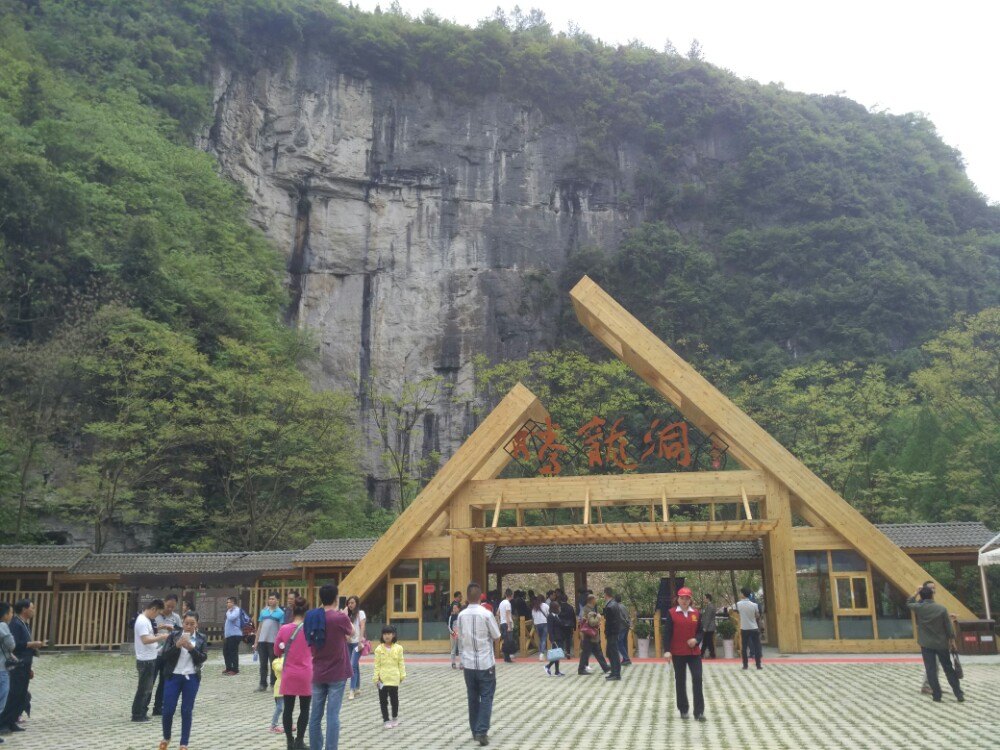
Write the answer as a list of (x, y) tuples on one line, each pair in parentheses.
[(146, 376)]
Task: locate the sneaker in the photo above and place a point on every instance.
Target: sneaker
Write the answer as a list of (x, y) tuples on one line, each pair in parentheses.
[(547, 672), (588, 670), (134, 718), (700, 717), (164, 744), (261, 688), (560, 674), (684, 716), (926, 690), (541, 656), (484, 740), (960, 697), (350, 696), (397, 722), (276, 730), (157, 712), (387, 725), (759, 666)]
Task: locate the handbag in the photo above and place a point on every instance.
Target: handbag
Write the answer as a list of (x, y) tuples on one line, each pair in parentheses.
[(555, 654), (248, 630), (587, 630), (957, 664), (365, 647)]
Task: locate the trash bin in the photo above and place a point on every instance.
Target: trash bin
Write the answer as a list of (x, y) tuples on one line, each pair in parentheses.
[(976, 637)]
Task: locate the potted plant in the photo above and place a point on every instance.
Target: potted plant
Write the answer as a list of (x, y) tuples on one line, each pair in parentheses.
[(643, 630), (726, 630)]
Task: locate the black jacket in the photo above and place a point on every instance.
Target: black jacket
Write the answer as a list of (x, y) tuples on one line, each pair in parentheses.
[(172, 652), (614, 618)]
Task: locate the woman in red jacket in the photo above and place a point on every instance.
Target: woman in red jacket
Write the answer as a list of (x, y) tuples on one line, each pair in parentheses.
[(683, 633)]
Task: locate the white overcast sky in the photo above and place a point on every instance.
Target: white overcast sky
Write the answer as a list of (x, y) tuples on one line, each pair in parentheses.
[(941, 59)]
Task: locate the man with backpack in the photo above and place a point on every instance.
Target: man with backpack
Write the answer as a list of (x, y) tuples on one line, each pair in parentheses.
[(327, 629)]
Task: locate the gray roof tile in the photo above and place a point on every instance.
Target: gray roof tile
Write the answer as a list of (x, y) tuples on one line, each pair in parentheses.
[(923, 535), (627, 552), (272, 560), (41, 557), (347, 550), (152, 563)]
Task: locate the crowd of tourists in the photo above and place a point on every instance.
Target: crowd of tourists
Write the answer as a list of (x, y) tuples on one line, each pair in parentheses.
[(313, 654)]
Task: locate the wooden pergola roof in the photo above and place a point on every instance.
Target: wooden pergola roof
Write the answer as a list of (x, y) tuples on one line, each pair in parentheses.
[(698, 531)]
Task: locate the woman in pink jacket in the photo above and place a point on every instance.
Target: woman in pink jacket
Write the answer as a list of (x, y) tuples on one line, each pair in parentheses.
[(296, 675)]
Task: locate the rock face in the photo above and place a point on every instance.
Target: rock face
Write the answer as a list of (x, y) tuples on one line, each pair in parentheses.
[(418, 232)]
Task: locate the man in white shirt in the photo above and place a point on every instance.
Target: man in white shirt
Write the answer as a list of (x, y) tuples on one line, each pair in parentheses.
[(506, 614), (749, 628), (147, 647), (477, 631)]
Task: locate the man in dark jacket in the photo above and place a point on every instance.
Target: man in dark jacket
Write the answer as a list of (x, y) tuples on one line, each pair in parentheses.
[(614, 620), (25, 649), (567, 616), (936, 637)]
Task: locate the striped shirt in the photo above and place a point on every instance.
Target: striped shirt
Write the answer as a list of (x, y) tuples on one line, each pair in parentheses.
[(476, 632)]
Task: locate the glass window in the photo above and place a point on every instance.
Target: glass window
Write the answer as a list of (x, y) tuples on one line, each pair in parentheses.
[(894, 620), (374, 608), (857, 627), (435, 597), (815, 606), (852, 592), (848, 561), (406, 569), (404, 599)]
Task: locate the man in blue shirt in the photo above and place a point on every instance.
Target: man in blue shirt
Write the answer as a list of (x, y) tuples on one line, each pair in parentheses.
[(233, 633), (270, 619)]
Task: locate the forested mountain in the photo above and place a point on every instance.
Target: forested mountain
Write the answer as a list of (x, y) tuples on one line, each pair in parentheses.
[(216, 219)]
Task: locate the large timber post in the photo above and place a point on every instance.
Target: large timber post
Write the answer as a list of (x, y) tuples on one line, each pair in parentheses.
[(779, 570), (461, 549)]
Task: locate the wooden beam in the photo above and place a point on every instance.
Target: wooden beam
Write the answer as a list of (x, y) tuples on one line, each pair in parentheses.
[(477, 452), (683, 488), (746, 503), (752, 446), (519, 516), (496, 511), (666, 508), (586, 507), (807, 514), (779, 554), (808, 538)]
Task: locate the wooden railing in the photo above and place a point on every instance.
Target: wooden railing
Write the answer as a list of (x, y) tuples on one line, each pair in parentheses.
[(83, 619)]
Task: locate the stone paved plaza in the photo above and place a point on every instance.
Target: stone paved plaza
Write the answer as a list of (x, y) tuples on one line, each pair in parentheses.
[(82, 701)]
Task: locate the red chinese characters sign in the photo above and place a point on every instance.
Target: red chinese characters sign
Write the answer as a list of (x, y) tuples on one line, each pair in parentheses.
[(605, 445)]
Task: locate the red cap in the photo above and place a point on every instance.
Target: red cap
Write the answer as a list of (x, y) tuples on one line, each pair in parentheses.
[(482, 597), (684, 592)]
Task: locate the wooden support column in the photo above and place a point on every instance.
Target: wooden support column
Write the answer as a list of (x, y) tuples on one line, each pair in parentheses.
[(461, 549), (779, 567), (479, 565), (657, 636)]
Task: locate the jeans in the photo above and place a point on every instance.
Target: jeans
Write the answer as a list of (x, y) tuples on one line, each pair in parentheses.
[(623, 647), (144, 690), (289, 710), (4, 688), (480, 685), (931, 659), (542, 630), (614, 658), (231, 652), (179, 686), (355, 665), (265, 654), (750, 639), (279, 709), (331, 695), (389, 694), (681, 665)]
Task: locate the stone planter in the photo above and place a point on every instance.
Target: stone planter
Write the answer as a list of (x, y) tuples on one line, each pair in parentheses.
[(727, 650), (642, 645)]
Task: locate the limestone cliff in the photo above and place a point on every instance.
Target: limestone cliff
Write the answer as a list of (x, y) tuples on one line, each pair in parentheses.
[(418, 232)]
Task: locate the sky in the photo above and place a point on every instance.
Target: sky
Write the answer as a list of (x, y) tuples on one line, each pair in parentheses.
[(939, 59)]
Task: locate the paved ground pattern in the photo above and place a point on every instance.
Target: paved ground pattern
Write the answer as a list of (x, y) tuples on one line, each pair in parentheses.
[(82, 701)]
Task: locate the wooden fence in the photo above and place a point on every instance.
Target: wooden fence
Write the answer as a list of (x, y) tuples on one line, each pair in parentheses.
[(81, 619), (259, 594)]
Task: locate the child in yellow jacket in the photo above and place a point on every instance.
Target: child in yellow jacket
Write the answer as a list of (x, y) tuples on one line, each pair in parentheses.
[(279, 700), (390, 671)]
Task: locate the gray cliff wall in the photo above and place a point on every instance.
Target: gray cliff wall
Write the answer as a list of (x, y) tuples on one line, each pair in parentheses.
[(418, 232)]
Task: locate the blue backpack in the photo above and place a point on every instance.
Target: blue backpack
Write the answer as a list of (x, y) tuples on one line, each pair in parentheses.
[(315, 627)]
